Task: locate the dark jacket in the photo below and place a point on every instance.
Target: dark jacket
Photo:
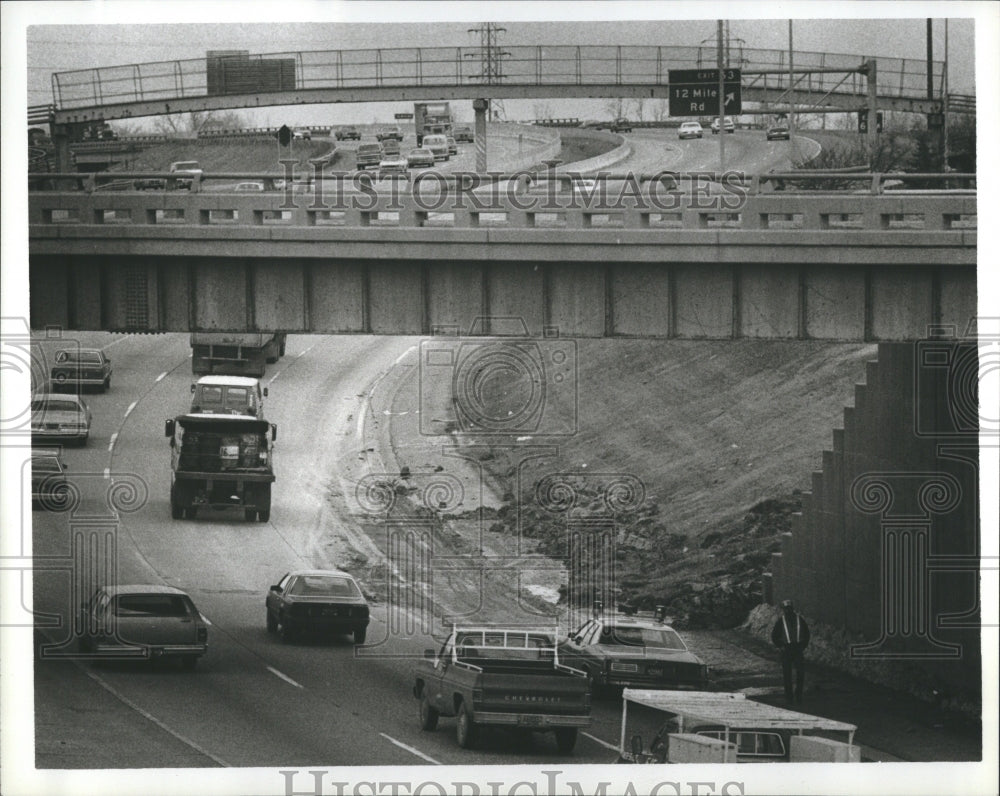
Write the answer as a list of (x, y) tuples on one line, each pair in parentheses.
[(791, 636)]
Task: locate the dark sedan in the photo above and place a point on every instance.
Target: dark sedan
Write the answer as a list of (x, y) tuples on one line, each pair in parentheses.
[(317, 601), (633, 651), (49, 489)]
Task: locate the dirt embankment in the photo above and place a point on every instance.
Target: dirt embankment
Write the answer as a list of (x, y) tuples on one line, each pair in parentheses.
[(252, 155), (690, 454)]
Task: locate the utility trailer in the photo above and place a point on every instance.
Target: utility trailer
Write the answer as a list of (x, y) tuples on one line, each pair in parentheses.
[(719, 727)]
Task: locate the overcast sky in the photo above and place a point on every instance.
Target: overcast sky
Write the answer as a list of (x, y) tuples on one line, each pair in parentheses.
[(59, 47)]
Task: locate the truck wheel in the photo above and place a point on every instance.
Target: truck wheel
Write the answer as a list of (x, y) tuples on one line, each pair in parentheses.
[(272, 623), (566, 739), (191, 512), (249, 514), (428, 714), (360, 635), (465, 729), (176, 512), (264, 503), (189, 662)]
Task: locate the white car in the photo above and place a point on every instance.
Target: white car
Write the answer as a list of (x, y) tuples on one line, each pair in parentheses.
[(250, 187), (302, 134), (727, 123), (438, 144), (689, 130)]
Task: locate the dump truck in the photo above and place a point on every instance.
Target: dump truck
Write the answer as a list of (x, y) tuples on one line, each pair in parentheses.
[(502, 677), (235, 354), (219, 462), (431, 118)]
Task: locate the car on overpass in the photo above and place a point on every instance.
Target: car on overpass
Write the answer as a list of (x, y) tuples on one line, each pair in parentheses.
[(419, 157), (777, 132), (633, 650), (317, 601), (59, 418), (144, 622), (249, 187), (390, 148), (347, 133), (368, 155), (464, 134), (302, 134), (689, 130), (438, 144), (621, 125), (727, 123)]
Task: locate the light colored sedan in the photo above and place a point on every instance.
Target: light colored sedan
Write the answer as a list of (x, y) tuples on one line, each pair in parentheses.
[(689, 130), (420, 157), (56, 418)]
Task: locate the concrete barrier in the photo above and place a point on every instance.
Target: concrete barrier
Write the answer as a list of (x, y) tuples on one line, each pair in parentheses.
[(606, 160), (811, 749), (689, 748)]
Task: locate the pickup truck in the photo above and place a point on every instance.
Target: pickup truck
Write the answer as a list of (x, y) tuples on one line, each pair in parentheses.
[(220, 461), (504, 677)]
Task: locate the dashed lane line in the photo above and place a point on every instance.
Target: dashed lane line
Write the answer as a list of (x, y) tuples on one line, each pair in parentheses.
[(131, 406), (411, 749), (284, 677), (111, 443), (162, 376), (605, 744)]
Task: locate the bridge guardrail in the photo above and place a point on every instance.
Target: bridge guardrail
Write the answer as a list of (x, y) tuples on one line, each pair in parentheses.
[(742, 206), (450, 66)]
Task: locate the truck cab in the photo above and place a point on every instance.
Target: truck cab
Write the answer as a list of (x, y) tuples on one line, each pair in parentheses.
[(228, 395)]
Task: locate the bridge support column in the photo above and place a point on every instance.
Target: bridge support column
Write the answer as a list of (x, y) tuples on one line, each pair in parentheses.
[(871, 77), (481, 107)]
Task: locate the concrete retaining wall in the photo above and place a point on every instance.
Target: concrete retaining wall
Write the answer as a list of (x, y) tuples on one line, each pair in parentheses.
[(538, 144), (883, 556), (611, 158)]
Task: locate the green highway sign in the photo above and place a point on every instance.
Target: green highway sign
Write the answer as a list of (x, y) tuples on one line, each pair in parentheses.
[(695, 92)]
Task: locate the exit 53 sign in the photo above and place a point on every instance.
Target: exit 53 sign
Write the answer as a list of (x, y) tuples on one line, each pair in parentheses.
[(695, 92)]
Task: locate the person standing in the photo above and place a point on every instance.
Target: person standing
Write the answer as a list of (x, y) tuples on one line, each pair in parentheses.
[(791, 637)]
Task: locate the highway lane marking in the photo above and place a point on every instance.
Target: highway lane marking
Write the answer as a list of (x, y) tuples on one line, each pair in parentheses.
[(605, 744), (116, 342), (111, 444), (411, 750), (284, 677), (131, 406), (162, 376), (150, 717), (366, 402), (299, 355)]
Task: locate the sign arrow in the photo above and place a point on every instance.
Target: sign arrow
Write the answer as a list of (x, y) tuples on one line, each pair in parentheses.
[(731, 97)]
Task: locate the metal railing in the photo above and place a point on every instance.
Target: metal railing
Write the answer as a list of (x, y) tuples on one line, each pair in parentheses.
[(539, 65), (792, 201)]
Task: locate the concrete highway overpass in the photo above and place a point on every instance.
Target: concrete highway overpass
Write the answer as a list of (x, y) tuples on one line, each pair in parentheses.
[(784, 265)]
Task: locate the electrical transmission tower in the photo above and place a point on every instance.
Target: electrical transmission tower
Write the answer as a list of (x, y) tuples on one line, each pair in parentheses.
[(491, 57)]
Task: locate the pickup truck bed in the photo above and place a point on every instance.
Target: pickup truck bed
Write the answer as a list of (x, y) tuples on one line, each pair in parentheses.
[(504, 685)]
